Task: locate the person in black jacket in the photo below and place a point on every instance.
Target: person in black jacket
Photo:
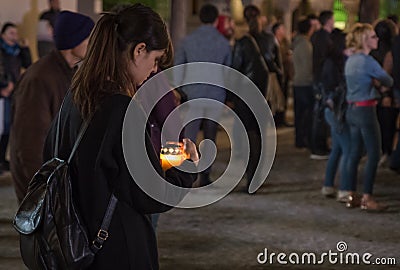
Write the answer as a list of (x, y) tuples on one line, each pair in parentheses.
[(334, 97), (386, 109), (322, 47), (395, 157), (124, 48), (246, 59), (14, 57)]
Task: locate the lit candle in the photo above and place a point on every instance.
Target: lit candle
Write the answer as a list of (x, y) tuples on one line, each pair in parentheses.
[(172, 155)]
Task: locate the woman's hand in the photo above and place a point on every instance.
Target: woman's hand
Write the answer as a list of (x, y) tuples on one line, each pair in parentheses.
[(386, 102), (190, 149), (6, 92)]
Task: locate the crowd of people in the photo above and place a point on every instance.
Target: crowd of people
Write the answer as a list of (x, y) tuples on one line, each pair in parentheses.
[(346, 86), (343, 90), (329, 99)]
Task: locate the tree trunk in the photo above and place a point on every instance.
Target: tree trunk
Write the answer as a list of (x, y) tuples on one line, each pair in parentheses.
[(178, 20), (369, 11)]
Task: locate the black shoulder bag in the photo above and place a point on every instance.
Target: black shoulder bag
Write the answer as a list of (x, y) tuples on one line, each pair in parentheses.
[(52, 233)]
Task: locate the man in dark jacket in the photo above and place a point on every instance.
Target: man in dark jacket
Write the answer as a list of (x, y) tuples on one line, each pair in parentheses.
[(39, 95), (14, 57), (322, 45)]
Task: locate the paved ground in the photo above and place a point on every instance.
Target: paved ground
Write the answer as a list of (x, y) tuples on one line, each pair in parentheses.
[(287, 215)]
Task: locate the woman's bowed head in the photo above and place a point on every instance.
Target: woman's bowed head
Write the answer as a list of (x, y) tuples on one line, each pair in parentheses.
[(124, 48)]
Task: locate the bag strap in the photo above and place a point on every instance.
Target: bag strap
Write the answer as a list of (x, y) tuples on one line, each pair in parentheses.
[(80, 134), (79, 138), (102, 234), (58, 127), (258, 51)]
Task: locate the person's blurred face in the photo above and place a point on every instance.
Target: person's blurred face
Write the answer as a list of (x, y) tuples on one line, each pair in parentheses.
[(144, 63), (280, 32), (232, 25), (80, 50), (54, 4), (229, 27), (371, 40), (262, 21), (315, 24), (10, 36), (331, 23)]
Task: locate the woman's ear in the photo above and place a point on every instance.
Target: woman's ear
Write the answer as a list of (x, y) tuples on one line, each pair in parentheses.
[(139, 49)]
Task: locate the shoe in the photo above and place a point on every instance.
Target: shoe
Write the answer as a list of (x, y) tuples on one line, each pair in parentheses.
[(372, 206), (383, 162), (286, 124), (329, 192), (343, 196), (319, 156), (353, 200)]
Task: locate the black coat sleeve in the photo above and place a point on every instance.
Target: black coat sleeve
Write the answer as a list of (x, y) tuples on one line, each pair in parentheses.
[(26, 58), (126, 188)]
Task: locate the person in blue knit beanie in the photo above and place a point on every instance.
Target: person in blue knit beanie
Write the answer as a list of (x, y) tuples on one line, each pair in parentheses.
[(39, 94)]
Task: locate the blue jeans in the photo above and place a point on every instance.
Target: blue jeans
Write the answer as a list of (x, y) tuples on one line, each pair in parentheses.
[(340, 146), (364, 130)]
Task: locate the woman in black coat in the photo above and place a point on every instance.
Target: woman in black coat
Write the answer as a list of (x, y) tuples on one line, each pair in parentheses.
[(124, 49), (248, 53)]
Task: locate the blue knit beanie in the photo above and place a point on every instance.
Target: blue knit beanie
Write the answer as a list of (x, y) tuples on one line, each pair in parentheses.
[(71, 29)]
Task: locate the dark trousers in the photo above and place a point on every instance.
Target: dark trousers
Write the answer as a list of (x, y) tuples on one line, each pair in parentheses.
[(303, 106), (319, 129), (3, 147), (202, 115), (387, 117), (255, 152), (395, 157), (210, 129)]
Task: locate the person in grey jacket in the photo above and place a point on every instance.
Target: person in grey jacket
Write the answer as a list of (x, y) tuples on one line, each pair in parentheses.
[(205, 44), (303, 83)]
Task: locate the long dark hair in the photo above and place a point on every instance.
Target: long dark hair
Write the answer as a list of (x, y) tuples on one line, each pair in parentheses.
[(385, 31), (336, 52), (104, 71), (251, 14)]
